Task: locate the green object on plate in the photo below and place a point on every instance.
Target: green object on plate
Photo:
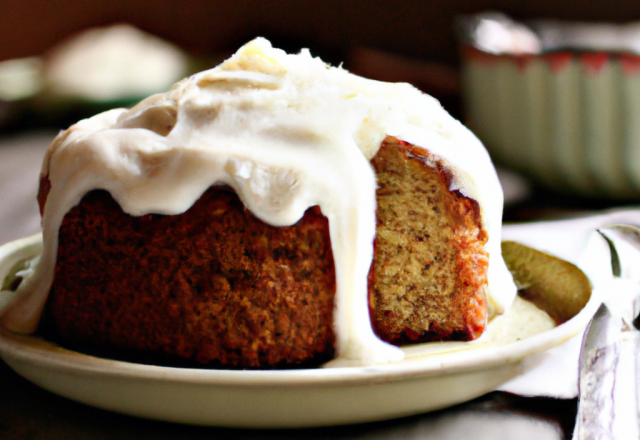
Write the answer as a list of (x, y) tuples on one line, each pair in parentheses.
[(552, 284)]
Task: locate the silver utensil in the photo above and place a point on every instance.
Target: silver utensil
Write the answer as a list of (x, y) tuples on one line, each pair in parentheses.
[(608, 381)]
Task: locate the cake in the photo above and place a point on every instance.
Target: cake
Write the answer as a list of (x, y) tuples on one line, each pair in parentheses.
[(271, 212)]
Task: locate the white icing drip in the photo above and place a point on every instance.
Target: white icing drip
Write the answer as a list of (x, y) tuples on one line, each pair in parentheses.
[(287, 132)]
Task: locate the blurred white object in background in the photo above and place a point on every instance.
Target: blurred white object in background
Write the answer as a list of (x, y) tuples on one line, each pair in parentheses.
[(556, 35), (496, 33), (117, 62), (20, 78)]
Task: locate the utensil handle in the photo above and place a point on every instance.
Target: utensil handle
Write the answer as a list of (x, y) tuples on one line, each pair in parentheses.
[(609, 386)]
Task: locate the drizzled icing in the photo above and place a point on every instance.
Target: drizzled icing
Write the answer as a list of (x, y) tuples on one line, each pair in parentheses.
[(287, 132)]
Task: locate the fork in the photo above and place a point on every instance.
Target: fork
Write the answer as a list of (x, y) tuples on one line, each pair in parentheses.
[(608, 380)]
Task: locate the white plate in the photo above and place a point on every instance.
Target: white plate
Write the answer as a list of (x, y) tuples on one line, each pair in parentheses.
[(298, 398)]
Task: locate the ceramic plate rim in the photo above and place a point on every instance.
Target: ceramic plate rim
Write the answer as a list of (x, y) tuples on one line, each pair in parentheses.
[(41, 353)]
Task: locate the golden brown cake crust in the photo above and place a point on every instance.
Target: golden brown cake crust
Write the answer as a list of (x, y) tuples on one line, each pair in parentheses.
[(218, 286)]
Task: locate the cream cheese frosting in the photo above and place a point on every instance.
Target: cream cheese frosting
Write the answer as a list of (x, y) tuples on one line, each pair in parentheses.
[(286, 132)]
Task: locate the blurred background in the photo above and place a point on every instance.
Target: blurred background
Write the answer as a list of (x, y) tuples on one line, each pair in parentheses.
[(336, 30), (560, 120), (558, 151)]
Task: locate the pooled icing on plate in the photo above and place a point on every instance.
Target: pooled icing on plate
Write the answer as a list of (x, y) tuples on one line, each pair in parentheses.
[(286, 132)]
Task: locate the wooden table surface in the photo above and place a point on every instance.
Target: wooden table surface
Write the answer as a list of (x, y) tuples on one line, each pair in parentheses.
[(29, 412)]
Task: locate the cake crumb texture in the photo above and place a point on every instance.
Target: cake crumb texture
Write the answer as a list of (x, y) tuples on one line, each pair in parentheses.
[(214, 284), (430, 266)]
